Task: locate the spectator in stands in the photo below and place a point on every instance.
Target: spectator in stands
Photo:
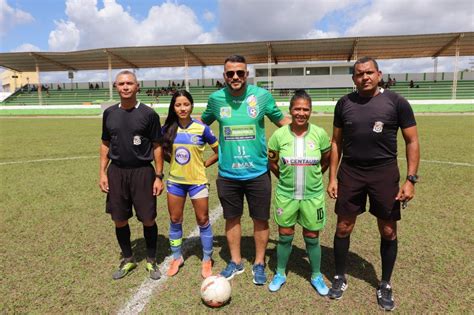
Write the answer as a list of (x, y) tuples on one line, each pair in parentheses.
[(412, 84), (131, 136), (184, 141), (298, 155), (59, 87), (240, 109), (91, 87), (367, 138), (97, 86), (394, 81)]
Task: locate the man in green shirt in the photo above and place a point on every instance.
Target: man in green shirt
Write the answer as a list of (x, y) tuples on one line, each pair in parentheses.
[(240, 109)]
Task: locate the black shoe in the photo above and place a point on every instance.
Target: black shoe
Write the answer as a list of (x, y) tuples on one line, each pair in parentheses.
[(339, 285), (153, 269), (126, 266), (385, 296)]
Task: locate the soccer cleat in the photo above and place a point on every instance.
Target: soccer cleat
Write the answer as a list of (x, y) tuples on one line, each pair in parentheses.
[(320, 286), (232, 269), (385, 296), (126, 265), (206, 268), (259, 276), (339, 285), (277, 281), (174, 266), (153, 269)]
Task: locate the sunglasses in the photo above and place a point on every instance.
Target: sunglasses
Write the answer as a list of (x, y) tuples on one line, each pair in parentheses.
[(240, 73)]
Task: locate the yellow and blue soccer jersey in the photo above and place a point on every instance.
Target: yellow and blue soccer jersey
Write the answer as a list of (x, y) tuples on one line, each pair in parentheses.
[(187, 164)]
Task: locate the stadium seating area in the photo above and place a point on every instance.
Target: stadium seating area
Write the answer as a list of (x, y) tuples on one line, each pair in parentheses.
[(427, 90)]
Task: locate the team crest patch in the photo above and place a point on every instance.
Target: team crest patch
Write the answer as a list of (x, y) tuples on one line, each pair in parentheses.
[(194, 139), (311, 145), (137, 140), (279, 211), (226, 112), (251, 101), (252, 109), (378, 127)]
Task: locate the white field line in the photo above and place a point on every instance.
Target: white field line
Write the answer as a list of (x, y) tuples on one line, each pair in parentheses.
[(444, 162), (49, 160), (143, 294)]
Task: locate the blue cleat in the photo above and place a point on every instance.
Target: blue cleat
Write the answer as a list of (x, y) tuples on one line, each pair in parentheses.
[(232, 269), (277, 282), (259, 276), (319, 285)]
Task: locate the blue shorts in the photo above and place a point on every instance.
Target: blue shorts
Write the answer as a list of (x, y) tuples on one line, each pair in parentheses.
[(195, 191)]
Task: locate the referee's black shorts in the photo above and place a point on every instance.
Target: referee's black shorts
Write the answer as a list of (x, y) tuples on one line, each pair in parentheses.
[(380, 183), (131, 186)]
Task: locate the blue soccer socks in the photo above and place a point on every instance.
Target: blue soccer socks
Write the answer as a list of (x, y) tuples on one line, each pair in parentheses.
[(176, 239), (206, 241)]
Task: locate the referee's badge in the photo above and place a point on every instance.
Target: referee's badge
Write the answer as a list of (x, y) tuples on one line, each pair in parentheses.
[(137, 140), (378, 127)]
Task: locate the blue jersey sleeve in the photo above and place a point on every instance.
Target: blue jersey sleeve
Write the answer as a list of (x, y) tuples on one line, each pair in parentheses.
[(208, 136)]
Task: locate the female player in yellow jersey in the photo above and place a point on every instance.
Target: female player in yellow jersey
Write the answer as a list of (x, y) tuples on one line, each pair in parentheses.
[(184, 141)]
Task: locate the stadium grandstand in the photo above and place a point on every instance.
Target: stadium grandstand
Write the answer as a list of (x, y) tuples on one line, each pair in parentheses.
[(275, 63)]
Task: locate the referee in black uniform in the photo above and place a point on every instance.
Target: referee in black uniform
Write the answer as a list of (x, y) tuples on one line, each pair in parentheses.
[(131, 135), (365, 129)]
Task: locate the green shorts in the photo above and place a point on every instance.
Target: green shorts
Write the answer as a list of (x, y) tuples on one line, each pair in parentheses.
[(309, 213)]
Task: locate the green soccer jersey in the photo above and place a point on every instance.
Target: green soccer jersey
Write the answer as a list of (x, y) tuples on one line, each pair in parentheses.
[(242, 143), (299, 161)]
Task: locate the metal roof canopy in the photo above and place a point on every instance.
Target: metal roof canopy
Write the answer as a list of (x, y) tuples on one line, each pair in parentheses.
[(349, 48)]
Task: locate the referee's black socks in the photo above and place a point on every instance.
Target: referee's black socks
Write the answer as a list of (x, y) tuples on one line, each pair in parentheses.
[(388, 253), (123, 238), (151, 236), (341, 249)]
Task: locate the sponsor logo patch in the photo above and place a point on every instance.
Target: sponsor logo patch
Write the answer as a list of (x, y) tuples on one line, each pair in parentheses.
[(297, 161), (241, 132), (182, 155), (378, 127), (242, 165)]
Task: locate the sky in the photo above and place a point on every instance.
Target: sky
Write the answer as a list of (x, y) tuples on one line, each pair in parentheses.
[(56, 25)]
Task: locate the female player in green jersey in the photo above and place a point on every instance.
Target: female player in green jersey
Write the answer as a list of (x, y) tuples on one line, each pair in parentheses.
[(299, 154)]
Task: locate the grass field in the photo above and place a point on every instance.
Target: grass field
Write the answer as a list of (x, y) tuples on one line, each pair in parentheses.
[(59, 249)]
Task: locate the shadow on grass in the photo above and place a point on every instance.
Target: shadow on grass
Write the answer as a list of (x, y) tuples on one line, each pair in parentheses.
[(162, 249), (356, 266)]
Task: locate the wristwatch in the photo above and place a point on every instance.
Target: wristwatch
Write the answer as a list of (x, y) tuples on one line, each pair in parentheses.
[(412, 178), (160, 176)]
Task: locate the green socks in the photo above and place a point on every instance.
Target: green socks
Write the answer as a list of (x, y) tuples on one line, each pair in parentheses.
[(283, 252), (314, 253)]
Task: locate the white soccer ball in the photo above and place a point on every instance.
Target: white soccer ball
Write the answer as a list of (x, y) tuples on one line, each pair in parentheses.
[(215, 291)]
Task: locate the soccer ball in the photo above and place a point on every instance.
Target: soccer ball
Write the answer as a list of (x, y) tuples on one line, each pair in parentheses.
[(215, 291)]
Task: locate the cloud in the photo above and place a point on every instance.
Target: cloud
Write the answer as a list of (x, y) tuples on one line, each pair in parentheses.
[(65, 37), (387, 17), (273, 19), (10, 17), (26, 47), (208, 16), (315, 33), (114, 26)]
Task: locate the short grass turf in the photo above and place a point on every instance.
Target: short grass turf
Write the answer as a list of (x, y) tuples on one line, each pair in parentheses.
[(59, 248)]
